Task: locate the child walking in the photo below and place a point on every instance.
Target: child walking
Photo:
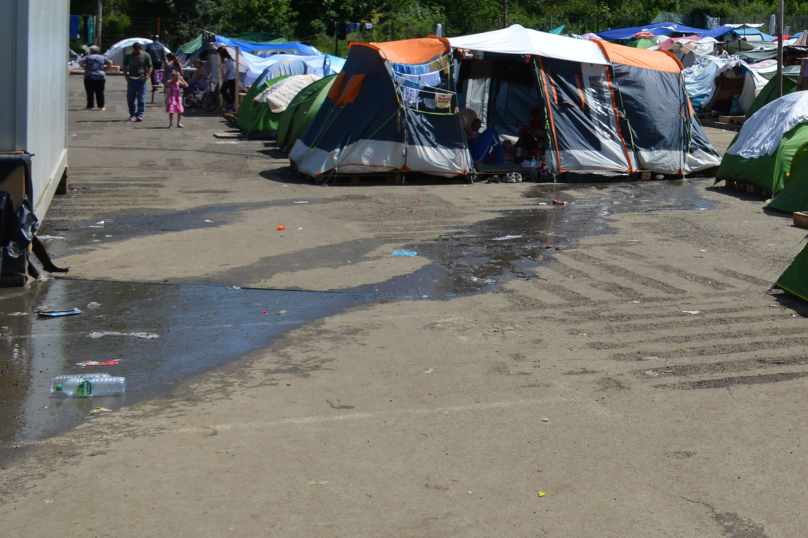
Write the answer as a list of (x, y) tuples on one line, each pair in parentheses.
[(174, 99)]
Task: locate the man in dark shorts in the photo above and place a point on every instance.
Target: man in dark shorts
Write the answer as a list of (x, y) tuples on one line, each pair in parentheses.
[(137, 67), (157, 53)]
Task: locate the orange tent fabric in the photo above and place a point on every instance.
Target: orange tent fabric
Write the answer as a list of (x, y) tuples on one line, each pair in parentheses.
[(649, 59), (411, 51)]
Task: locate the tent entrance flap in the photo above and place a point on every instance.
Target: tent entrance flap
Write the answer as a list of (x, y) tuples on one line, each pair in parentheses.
[(583, 118)]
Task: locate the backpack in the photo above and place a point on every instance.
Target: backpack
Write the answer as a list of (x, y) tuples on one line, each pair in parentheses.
[(155, 51)]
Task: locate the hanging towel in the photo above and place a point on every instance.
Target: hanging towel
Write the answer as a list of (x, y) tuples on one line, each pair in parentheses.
[(74, 26)]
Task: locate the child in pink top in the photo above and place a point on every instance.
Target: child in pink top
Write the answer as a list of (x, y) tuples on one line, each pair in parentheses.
[(174, 99)]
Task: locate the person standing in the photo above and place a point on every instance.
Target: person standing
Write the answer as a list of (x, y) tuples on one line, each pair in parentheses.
[(137, 68), (157, 53), (174, 99), (94, 76), (228, 89)]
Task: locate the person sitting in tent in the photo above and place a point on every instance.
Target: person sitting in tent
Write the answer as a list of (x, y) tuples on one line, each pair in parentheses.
[(531, 140), (481, 144)]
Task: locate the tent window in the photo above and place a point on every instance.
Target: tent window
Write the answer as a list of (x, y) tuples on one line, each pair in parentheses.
[(351, 90), (333, 93)]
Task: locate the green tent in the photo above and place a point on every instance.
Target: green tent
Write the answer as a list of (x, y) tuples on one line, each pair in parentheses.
[(642, 43), (795, 278), (769, 172), (256, 119), (794, 196), (769, 91), (558, 29), (301, 110)]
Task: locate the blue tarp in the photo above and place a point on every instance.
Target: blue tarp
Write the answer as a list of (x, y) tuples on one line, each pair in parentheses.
[(292, 64), (74, 26), (661, 28), (718, 32), (265, 49), (699, 79), (742, 32)]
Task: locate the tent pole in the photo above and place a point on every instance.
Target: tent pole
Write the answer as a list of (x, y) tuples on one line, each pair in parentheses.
[(780, 49), (238, 79), (504, 13), (98, 25)]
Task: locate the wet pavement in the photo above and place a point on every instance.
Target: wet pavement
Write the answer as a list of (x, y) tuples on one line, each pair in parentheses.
[(198, 328)]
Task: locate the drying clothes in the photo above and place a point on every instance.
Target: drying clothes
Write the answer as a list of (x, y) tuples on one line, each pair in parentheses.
[(432, 79), (410, 97), (368, 26)]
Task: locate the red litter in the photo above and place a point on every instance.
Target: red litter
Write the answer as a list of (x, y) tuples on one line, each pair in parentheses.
[(559, 202), (113, 362), (266, 311)]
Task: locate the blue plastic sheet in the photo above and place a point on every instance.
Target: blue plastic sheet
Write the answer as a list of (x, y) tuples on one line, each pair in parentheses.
[(699, 79), (404, 253)]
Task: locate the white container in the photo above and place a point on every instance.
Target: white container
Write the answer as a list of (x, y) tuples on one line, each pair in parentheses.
[(60, 379), (88, 387)]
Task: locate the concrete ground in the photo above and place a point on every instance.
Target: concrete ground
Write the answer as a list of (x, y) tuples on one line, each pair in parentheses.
[(643, 382)]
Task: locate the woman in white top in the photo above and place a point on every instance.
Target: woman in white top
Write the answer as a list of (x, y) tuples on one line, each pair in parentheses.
[(228, 90)]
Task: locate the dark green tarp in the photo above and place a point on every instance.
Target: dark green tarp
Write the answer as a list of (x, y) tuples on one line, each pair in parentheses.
[(301, 110), (794, 196), (256, 119), (769, 172), (795, 278), (769, 91)]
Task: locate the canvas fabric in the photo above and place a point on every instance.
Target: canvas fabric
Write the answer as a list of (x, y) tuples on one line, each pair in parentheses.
[(795, 278), (301, 111)]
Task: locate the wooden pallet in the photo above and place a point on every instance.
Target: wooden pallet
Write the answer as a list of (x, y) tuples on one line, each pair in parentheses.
[(733, 120), (745, 187), (390, 178), (645, 175), (228, 135), (801, 220)]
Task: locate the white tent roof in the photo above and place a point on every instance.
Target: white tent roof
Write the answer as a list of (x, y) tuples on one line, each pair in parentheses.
[(519, 40)]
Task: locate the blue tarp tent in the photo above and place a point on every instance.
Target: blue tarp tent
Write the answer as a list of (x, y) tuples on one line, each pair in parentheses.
[(265, 49), (700, 77), (746, 32), (718, 32), (660, 28), (281, 65)]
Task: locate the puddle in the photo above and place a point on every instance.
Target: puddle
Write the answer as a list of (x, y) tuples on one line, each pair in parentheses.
[(201, 327), (475, 258), (197, 328)]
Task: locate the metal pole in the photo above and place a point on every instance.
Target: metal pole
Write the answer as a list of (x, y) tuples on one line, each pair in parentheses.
[(98, 25), (780, 11), (504, 13), (336, 40)]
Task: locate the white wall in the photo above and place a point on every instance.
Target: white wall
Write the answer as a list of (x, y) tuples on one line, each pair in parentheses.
[(33, 90)]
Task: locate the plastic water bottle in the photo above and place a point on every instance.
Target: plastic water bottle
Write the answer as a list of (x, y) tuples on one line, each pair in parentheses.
[(87, 387), (534, 169), (60, 379)]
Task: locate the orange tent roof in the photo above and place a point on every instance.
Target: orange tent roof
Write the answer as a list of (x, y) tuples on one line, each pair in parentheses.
[(649, 59), (411, 51)]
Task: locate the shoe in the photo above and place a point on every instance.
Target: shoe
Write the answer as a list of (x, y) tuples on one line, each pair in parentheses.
[(102, 108), (132, 118), (170, 126), (229, 107), (518, 177), (138, 118), (181, 126), (88, 108)]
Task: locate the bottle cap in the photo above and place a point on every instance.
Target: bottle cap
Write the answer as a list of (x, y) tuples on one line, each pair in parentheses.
[(59, 387)]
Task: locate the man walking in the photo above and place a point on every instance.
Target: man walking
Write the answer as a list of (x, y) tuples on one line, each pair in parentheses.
[(157, 53), (137, 67)]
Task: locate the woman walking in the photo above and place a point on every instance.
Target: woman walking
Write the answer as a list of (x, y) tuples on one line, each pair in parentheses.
[(228, 90), (94, 77)]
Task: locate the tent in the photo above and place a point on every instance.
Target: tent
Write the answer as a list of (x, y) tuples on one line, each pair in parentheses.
[(254, 116), (763, 150), (749, 34), (117, 51), (699, 78), (609, 108), (641, 43), (288, 64), (391, 108), (735, 82), (660, 28), (794, 196), (254, 37), (795, 278), (768, 94), (301, 111)]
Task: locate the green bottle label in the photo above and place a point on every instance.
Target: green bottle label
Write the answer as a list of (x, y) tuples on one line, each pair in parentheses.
[(85, 388)]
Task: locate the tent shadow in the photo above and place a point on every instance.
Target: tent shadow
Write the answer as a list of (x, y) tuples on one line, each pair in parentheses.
[(777, 213), (792, 302), (285, 176), (741, 195)]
